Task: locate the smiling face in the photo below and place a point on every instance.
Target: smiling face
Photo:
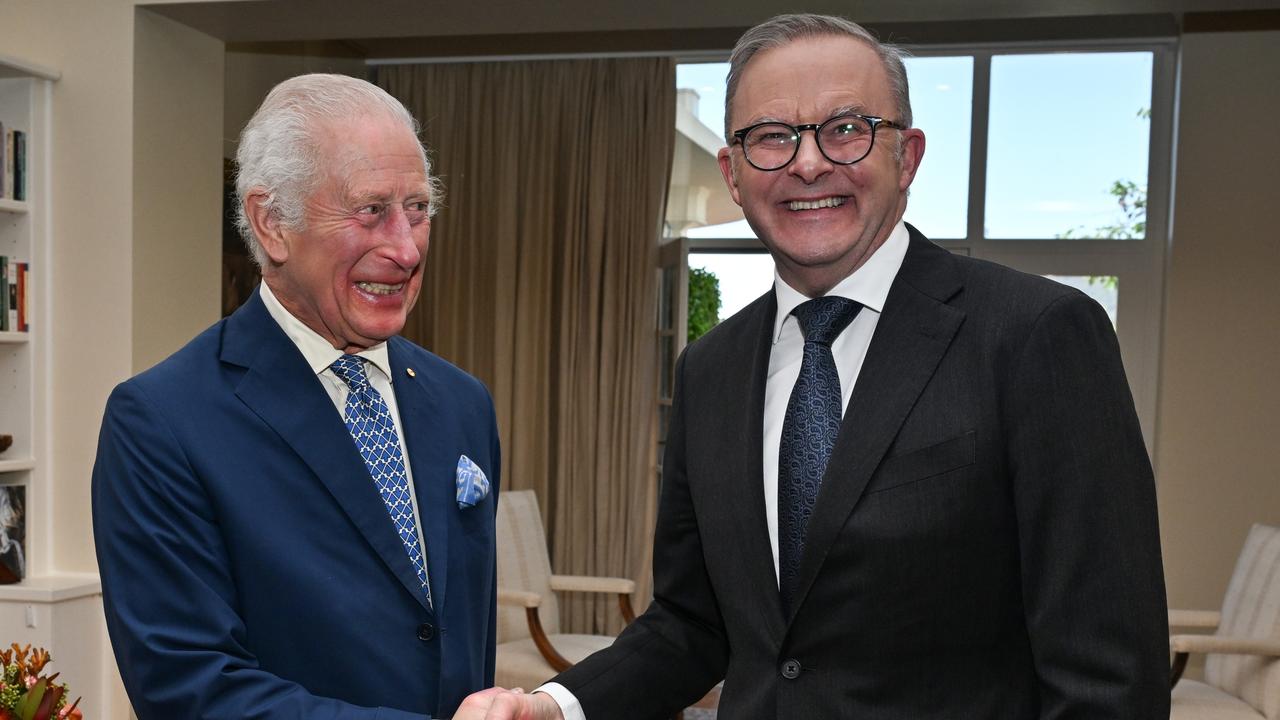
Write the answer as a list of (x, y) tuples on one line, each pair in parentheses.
[(353, 272), (820, 220)]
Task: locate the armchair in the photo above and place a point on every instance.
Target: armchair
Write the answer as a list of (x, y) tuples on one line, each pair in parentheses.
[(1242, 665), (531, 649)]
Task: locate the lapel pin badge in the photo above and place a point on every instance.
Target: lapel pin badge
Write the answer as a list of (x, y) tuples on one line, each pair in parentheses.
[(410, 372)]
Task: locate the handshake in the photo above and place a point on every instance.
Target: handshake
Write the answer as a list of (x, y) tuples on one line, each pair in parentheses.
[(499, 704)]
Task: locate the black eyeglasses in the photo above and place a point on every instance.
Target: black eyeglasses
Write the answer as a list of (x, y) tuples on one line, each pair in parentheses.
[(844, 140)]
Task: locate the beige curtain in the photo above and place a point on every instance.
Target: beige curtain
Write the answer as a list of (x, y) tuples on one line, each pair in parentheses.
[(541, 281)]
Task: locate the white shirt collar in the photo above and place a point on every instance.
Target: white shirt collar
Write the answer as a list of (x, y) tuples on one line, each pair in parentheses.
[(317, 351), (868, 285)]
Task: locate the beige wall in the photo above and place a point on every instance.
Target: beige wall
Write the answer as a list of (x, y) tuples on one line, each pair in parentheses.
[(1218, 437), (177, 186)]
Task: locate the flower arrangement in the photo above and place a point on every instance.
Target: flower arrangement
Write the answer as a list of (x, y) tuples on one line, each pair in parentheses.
[(25, 694)]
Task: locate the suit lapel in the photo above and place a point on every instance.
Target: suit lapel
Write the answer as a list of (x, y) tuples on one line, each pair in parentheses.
[(910, 340), (280, 388), (433, 467), (743, 491)]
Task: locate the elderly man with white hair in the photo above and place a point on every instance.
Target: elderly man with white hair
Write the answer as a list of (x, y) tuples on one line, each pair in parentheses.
[(294, 513)]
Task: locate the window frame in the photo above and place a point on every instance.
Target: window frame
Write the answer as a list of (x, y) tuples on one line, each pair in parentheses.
[(1139, 264)]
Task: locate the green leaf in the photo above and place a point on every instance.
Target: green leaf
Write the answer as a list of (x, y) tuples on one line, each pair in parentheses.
[(26, 708), (704, 302)]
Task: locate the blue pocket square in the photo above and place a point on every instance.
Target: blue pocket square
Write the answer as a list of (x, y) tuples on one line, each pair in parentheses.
[(471, 482)]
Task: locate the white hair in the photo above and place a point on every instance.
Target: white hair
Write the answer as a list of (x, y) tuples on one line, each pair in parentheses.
[(783, 29), (279, 150)]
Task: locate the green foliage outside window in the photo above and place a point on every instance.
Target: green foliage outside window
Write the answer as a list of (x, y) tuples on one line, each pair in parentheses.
[(704, 302), (1132, 199)]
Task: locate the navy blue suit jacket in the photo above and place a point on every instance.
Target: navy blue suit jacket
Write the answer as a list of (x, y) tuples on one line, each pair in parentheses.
[(249, 566)]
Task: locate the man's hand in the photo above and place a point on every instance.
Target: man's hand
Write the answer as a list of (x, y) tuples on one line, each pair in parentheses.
[(498, 704)]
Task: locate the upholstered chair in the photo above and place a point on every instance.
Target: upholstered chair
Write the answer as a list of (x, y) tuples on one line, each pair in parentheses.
[(1242, 663), (531, 648)]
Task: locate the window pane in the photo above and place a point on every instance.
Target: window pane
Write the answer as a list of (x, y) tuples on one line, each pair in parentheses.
[(942, 105), (1068, 145), (1103, 288), (707, 80), (698, 204), (743, 277)]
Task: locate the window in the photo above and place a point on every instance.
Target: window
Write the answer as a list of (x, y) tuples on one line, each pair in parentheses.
[(1052, 159)]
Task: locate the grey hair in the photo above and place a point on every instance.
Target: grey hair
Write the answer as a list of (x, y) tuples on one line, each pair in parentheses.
[(279, 148), (783, 29)]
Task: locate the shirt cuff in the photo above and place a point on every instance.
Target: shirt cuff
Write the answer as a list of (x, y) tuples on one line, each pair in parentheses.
[(569, 706)]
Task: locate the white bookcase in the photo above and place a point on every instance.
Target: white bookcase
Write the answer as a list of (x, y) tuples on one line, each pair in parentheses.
[(25, 94)]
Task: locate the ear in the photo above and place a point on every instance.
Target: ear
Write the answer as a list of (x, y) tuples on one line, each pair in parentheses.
[(266, 225), (912, 153), (725, 158)]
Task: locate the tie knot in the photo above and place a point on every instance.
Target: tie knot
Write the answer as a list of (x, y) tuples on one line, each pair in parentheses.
[(822, 319), (350, 369)]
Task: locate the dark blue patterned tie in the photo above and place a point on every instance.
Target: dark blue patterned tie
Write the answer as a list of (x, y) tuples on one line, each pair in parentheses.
[(369, 422), (809, 431)]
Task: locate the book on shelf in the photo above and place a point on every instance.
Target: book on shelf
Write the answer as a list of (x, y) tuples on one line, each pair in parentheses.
[(15, 294), (12, 271), (7, 151), (19, 165), (4, 293), (24, 297)]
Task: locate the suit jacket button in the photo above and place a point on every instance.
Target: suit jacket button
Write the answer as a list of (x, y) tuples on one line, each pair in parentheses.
[(791, 669), (426, 631)]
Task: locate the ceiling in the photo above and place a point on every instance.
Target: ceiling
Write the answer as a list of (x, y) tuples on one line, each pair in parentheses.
[(401, 28)]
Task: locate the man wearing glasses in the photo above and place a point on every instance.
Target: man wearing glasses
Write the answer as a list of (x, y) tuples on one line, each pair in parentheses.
[(902, 484)]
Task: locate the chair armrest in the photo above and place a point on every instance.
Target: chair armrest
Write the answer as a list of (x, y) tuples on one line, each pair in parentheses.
[(1224, 644), (1183, 645), (530, 601), (586, 583), (519, 598), (1194, 618)]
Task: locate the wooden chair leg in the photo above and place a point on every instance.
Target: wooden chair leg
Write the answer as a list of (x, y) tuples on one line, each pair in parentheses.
[(540, 641)]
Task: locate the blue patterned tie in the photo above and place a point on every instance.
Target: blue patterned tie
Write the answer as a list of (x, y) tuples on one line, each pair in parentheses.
[(370, 424), (809, 431)]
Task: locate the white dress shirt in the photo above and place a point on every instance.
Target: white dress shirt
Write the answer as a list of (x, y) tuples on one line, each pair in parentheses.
[(867, 286), (320, 355)]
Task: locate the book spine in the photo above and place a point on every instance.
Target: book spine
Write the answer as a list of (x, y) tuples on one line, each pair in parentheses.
[(19, 165), (24, 297), (8, 164), (13, 294), (4, 293)]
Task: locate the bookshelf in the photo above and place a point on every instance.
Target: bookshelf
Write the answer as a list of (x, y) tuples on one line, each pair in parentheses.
[(25, 100)]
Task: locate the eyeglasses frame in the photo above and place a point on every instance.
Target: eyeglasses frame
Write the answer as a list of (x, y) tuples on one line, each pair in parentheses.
[(739, 137)]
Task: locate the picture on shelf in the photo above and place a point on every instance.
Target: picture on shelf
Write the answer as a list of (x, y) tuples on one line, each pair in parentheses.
[(13, 533)]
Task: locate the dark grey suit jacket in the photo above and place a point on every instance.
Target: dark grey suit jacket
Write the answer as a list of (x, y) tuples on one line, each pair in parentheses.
[(985, 542)]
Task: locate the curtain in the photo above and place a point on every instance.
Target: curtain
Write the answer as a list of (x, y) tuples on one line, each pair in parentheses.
[(541, 281)]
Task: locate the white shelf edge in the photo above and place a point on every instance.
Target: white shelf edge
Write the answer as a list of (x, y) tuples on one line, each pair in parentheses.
[(14, 206), (7, 466), (13, 67), (15, 337), (54, 588)]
